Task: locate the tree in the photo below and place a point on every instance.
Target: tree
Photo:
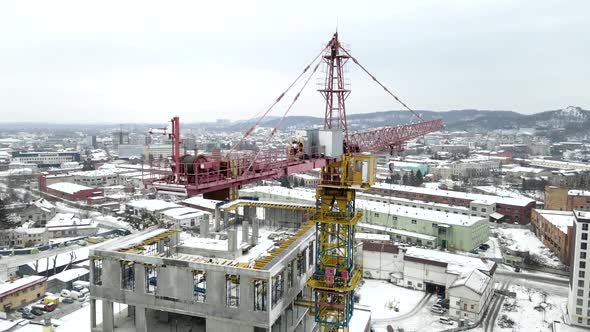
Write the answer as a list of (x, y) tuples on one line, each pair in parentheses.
[(419, 178), (3, 216), (284, 182)]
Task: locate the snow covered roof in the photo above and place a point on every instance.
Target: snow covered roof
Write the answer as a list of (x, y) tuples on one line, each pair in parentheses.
[(22, 283), (396, 231), (69, 188), (67, 219), (560, 219), (474, 280), (455, 263), (578, 193), (202, 202), (44, 204), (371, 236), (69, 275), (152, 205), (456, 194), (184, 213)]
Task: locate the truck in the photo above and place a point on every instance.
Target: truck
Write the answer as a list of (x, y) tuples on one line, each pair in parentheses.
[(51, 300)]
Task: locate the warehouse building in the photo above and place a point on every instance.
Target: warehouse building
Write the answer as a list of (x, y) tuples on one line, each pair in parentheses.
[(17, 293), (509, 209), (422, 226), (556, 230)]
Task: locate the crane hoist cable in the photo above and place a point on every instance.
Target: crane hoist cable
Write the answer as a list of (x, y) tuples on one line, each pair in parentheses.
[(251, 129), (383, 86), (280, 122)]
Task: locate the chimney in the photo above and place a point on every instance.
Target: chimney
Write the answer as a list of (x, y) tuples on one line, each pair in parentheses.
[(232, 240), (245, 229), (254, 238)]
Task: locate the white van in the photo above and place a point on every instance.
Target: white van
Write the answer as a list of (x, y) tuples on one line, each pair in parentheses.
[(83, 292), (74, 295)]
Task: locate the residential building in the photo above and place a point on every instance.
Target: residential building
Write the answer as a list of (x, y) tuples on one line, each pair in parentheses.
[(578, 303), (24, 237), (39, 211), (556, 230), (68, 225), (20, 292)]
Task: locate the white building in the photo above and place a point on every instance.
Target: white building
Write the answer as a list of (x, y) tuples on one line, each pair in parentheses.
[(96, 178), (470, 295), (68, 225), (578, 304), (186, 216)]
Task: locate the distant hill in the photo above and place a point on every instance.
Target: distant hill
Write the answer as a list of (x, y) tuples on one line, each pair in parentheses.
[(572, 118)]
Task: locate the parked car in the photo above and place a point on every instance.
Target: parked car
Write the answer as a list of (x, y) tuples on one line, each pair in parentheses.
[(438, 306), (23, 309), (474, 251), (49, 307), (517, 269), (37, 312), (64, 293), (437, 311), (67, 300), (483, 247), (27, 315), (445, 320)]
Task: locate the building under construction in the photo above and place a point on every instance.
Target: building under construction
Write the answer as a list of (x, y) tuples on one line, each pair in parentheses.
[(239, 273)]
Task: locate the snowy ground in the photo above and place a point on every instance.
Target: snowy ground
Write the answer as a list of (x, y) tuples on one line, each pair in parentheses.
[(533, 309), (524, 239), (383, 298)]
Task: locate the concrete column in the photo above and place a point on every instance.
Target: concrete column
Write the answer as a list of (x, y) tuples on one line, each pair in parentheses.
[(217, 219), (108, 318), (254, 238), (92, 314), (139, 270), (140, 319), (232, 240), (204, 231), (245, 231), (225, 219)]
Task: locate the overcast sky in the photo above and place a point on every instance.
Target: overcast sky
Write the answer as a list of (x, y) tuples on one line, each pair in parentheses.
[(143, 61)]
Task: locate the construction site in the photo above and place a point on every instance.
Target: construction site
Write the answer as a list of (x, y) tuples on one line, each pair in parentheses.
[(255, 265)]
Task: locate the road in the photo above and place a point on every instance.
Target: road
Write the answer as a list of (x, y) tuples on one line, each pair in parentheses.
[(505, 275)]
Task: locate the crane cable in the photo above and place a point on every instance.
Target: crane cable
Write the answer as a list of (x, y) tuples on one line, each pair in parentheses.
[(280, 122), (383, 86), (251, 129)]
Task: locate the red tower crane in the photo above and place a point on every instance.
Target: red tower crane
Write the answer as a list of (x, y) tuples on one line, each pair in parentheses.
[(216, 176)]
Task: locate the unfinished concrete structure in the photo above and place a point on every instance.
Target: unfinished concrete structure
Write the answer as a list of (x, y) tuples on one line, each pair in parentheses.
[(237, 274)]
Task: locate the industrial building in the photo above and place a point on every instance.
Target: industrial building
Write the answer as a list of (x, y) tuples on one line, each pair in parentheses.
[(560, 198), (556, 230), (512, 210), (235, 275), (45, 159), (424, 225), (75, 192)]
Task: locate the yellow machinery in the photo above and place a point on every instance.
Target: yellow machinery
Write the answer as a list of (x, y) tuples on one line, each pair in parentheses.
[(336, 275)]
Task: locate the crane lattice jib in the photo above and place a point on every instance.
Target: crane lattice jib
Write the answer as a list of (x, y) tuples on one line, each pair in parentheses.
[(336, 273), (388, 137)]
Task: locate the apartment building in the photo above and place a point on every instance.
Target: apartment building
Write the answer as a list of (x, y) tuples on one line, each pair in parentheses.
[(578, 304)]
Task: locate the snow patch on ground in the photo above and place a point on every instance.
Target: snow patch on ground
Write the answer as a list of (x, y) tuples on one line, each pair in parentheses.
[(533, 309), (383, 298), (524, 240)]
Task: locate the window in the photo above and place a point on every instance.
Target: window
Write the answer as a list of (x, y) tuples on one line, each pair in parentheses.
[(582, 255), (458, 303), (151, 279), (484, 210), (584, 236), (376, 214), (97, 271), (301, 264), (580, 283), (310, 253), (277, 288), (199, 286), (414, 221), (581, 274), (232, 288), (128, 275), (584, 245), (579, 302), (474, 209), (260, 294), (578, 311), (434, 225), (472, 306), (419, 285), (582, 265), (394, 217), (584, 227), (409, 283), (581, 293), (290, 275)]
